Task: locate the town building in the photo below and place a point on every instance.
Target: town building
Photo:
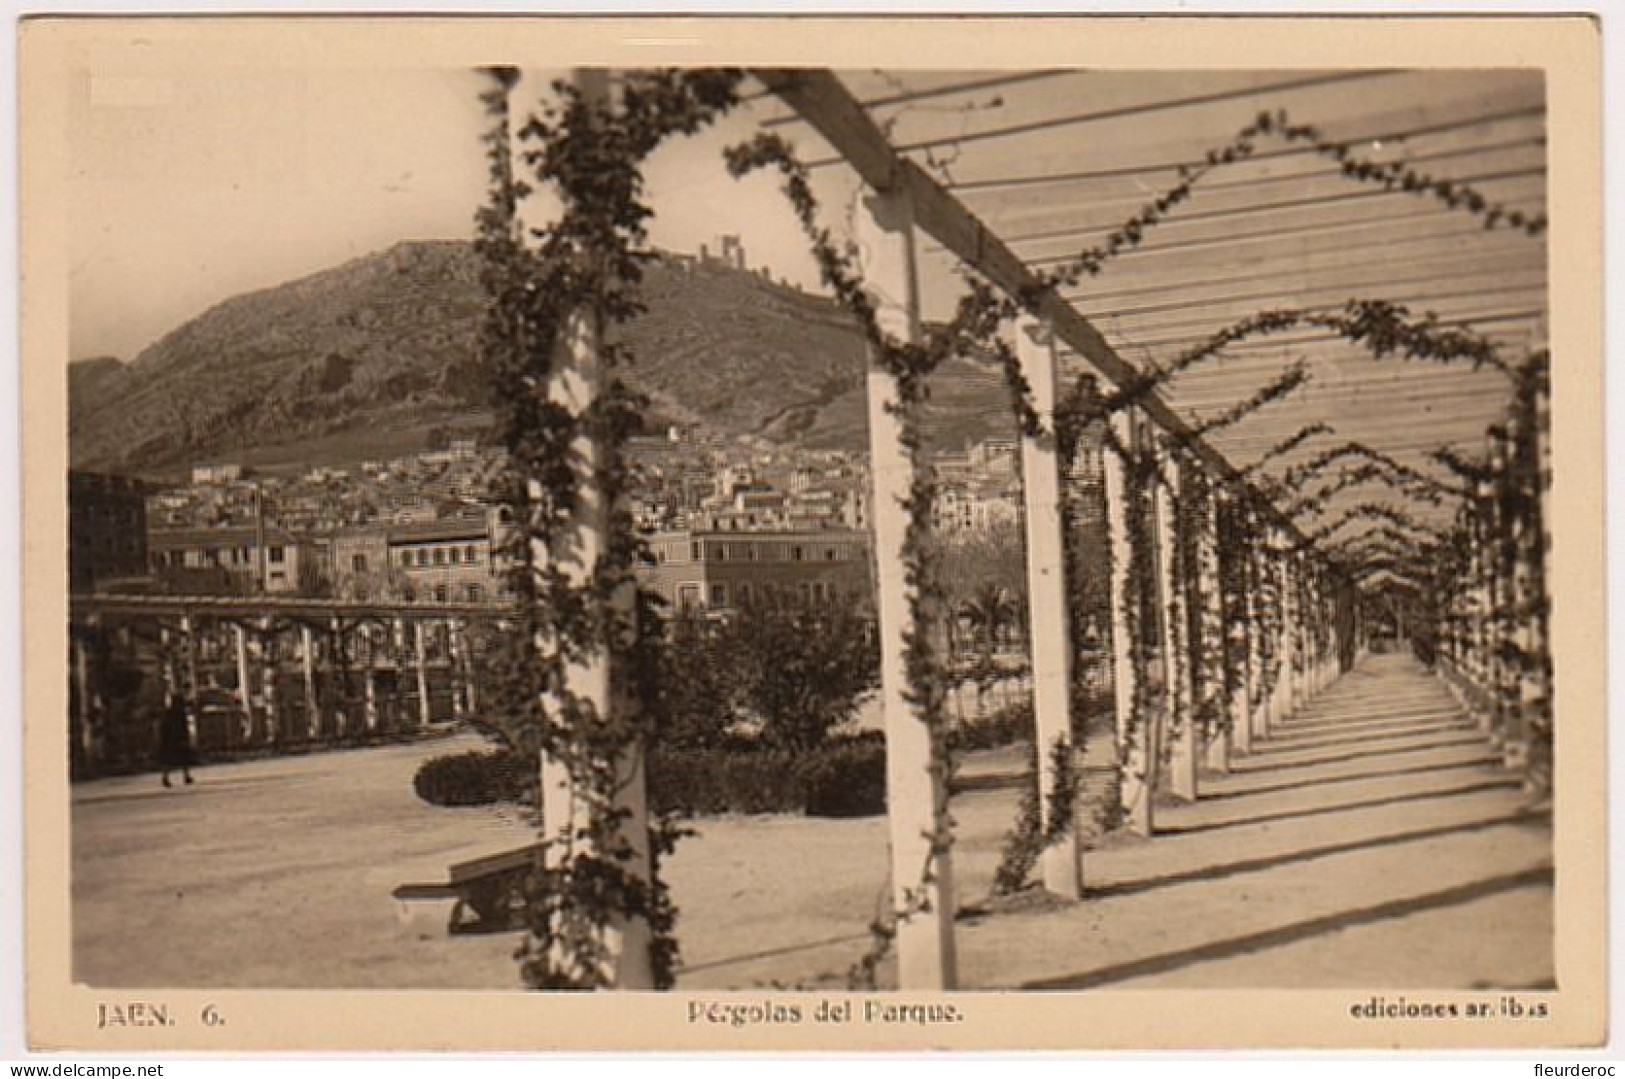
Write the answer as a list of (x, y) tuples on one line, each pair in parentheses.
[(695, 569), (239, 559), (107, 530)]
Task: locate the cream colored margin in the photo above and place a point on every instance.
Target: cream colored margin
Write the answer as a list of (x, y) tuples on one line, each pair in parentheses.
[(61, 1014)]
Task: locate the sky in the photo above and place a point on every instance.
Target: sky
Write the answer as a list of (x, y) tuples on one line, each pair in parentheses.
[(198, 185)]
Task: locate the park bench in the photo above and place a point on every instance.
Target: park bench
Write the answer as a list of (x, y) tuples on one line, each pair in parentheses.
[(488, 891)]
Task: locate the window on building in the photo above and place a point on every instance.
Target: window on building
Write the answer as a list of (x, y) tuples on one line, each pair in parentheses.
[(805, 590), (473, 592), (455, 555), (688, 596), (694, 550), (441, 593), (406, 558), (795, 554), (358, 563), (440, 556), (423, 558), (829, 554), (744, 593), (719, 595), (275, 554), (470, 554), (719, 551)]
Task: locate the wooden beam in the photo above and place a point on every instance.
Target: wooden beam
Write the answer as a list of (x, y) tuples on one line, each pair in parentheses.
[(818, 96)]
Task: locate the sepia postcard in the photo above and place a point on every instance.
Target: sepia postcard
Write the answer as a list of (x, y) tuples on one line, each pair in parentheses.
[(812, 533)]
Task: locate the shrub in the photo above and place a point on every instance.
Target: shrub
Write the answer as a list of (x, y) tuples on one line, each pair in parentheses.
[(705, 781), (844, 779), (477, 778), (1005, 727)]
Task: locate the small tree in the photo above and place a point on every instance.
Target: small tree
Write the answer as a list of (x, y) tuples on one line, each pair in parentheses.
[(698, 694), (802, 671)]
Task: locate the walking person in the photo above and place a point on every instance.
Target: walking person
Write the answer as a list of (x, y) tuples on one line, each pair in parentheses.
[(175, 739)]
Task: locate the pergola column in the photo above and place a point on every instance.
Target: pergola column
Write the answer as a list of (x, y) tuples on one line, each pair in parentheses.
[(1260, 570), (1049, 621), (1280, 569), (189, 689), (1173, 616), (574, 383), (369, 682), (454, 680), (1137, 765), (921, 867), (420, 656), (268, 653), (87, 704), (341, 659), (307, 659), (1483, 610), (1241, 702), (245, 695), (1212, 650)]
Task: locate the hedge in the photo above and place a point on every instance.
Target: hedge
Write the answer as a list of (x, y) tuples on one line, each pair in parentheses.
[(844, 778)]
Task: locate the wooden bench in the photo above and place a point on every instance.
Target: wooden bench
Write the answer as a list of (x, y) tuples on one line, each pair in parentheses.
[(489, 891)]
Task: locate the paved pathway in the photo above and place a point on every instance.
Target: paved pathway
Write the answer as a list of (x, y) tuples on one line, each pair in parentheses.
[(1374, 840)]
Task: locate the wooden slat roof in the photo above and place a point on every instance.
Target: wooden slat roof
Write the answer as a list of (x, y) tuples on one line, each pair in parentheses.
[(1051, 161)]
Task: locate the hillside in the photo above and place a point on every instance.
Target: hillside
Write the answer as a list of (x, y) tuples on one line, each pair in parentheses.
[(380, 351)]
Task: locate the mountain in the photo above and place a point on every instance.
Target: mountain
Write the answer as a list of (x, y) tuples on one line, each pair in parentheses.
[(373, 356)]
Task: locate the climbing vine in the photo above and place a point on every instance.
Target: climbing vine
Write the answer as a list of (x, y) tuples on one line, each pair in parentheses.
[(547, 289)]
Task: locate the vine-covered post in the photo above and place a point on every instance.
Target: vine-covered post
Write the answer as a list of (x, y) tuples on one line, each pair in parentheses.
[(1263, 647), (1483, 609), (1280, 569), (87, 704), (593, 693), (339, 664), (190, 685), (245, 694), (1511, 599), (454, 674), (1048, 590), (1234, 560), (1177, 713), (307, 661), (1213, 649), (267, 637), (1124, 519), (420, 657), (1537, 688), (916, 794), (369, 676)]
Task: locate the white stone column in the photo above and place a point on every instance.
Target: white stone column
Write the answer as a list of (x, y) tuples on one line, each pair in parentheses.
[(916, 808), (1049, 621)]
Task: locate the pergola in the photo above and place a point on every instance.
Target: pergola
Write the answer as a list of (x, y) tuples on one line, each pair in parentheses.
[(1002, 175)]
